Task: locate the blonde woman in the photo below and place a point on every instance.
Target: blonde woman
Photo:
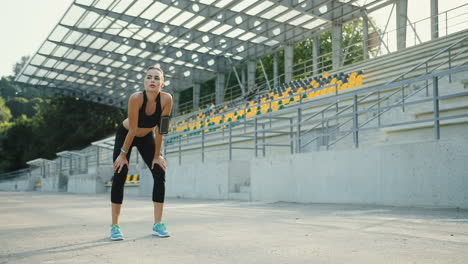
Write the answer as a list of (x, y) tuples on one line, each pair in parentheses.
[(141, 129)]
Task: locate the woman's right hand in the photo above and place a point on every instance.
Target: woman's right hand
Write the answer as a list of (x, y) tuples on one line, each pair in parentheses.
[(120, 162)]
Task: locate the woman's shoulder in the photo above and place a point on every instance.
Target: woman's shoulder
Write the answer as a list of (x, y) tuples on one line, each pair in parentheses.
[(166, 96), (137, 95), (136, 98)]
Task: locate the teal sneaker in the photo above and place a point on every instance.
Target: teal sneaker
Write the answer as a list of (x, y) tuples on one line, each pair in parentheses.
[(115, 233), (159, 230)]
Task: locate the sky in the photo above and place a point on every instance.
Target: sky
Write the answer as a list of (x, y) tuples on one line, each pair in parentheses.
[(25, 24)]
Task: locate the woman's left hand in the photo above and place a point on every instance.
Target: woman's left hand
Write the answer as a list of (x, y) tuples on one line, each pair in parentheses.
[(160, 161)]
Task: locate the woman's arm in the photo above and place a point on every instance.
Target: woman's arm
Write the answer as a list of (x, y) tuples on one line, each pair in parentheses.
[(167, 110), (133, 106)]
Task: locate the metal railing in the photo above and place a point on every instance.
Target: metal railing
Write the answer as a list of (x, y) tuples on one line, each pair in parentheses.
[(377, 109), (15, 174), (449, 21)]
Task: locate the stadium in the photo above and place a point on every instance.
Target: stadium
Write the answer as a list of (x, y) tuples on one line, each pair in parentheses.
[(381, 118)]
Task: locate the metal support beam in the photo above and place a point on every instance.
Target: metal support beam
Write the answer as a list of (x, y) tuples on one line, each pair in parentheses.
[(315, 54), (275, 70), (265, 74), (365, 37), (196, 96), (175, 102), (288, 62), (435, 19), (251, 70), (337, 49), (220, 79), (401, 19), (243, 75)]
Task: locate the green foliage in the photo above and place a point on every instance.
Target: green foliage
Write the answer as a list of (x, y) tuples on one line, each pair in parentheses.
[(22, 106), (17, 144), (61, 123), (8, 89), (17, 67), (5, 113)]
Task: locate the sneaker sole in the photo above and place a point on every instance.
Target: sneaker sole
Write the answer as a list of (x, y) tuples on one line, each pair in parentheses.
[(158, 235), (117, 239)]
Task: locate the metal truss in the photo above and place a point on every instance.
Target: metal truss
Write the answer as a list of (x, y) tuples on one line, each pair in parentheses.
[(100, 48)]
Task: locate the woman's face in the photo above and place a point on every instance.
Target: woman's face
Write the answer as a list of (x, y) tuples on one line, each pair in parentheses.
[(154, 81)]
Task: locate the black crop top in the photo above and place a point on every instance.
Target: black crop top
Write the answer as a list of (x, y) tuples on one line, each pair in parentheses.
[(145, 121)]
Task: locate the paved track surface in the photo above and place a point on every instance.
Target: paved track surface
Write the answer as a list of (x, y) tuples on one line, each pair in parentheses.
[(51, 228)]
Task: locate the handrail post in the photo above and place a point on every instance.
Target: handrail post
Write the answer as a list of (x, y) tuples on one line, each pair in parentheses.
[(180, 150), (435, 99), (203, 145), (256, 137), (446, 23), (263, 139), (355, 122), (427, 82), (450, 65), (299, 119), (403, 98), (378, 108), (230, 141), (291, 133), (97, 156)]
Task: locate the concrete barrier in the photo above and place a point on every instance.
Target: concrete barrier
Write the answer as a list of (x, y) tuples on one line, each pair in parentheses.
[(433, 174)]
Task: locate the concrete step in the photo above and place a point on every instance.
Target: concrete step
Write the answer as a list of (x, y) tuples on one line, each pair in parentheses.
[(429, 109), (423, 125)]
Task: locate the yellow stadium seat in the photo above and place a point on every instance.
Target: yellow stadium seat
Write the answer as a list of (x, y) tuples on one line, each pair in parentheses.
[(127, 180), (359, 80), (135, 179)]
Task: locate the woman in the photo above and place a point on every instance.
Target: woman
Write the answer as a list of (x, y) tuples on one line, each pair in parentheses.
[(144, 113)]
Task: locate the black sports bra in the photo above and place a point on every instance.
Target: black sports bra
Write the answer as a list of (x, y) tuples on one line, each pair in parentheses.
[(145, 121)]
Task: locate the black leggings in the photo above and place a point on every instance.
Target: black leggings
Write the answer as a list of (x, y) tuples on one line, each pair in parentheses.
[(146, 147)]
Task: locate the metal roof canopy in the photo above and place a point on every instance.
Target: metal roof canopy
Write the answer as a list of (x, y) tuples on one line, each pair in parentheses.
[(107, 143), (100, 48), (69, 154), (38, 162)]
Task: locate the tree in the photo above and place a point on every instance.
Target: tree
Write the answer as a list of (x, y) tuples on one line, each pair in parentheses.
[(8, 89), (61, 123), (17, 67), (5, 113), (22, 106)]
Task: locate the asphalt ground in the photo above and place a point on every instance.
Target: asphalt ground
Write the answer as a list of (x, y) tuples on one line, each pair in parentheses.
[(37, 227)]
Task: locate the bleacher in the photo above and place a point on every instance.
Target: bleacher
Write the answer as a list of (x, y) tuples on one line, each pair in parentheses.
[(271, 101), (132, 179)]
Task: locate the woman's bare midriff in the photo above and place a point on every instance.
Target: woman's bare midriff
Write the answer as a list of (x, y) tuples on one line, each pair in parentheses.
[(141, 131)]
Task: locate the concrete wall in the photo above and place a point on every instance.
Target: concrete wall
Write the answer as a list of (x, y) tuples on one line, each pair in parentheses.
[(24, 183), (86, 183), (433, 174), (50, 184), (210, 180)]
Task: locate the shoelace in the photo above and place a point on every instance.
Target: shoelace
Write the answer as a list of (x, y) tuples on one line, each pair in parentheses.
[(163, 226), (115, 229)]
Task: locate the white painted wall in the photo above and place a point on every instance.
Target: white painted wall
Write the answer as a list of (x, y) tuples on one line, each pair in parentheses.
[(431, 174), (85, 183)]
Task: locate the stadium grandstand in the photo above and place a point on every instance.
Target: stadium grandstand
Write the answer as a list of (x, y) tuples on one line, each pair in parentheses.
[(383, 120)]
